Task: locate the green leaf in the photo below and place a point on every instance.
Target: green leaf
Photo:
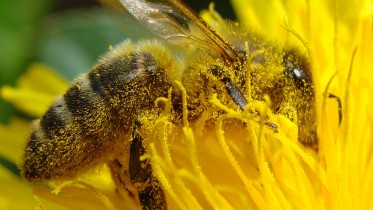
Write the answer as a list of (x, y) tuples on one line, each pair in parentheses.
[(74, 40), (18, 31)]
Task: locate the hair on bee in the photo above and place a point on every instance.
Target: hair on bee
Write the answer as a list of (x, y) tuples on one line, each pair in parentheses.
[(97, 120)]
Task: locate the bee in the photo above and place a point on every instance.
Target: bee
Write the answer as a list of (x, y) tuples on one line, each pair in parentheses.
[(97, 120)]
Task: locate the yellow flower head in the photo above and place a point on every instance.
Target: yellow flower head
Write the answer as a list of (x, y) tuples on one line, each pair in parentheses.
[(242, 161)]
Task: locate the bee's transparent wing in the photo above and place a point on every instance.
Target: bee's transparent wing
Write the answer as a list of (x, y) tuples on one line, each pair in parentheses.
[(174, 21)]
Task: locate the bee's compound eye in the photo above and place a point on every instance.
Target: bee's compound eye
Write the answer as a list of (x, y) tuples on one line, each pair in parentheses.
[(298, 69)]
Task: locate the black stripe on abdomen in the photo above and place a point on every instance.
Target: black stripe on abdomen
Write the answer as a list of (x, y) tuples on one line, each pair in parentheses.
[(96, 85), (55, 118), (77, 101)]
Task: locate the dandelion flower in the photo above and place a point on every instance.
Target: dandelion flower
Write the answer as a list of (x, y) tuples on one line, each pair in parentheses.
[(231, 166)]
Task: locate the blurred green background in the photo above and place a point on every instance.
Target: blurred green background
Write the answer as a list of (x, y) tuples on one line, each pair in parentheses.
[(66, 35)]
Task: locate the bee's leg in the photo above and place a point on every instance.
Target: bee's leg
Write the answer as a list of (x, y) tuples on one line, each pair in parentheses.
[(339, 106), (235, 93), (237, 96), (149, 190), (120, 177)]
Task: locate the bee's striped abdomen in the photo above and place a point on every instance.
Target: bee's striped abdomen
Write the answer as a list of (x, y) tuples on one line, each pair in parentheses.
[(66, 140), (85, 126), (92, 122)]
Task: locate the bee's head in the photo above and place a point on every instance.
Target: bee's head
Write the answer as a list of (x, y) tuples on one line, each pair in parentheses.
[(286, 77), (297, 72)]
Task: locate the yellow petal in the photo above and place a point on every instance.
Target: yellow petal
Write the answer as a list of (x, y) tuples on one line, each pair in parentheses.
[(35, 90), (12, 139), (34, 103), (41, 78)]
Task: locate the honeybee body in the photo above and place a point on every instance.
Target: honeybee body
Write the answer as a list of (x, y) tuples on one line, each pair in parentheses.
[(82, 127), (96, 121)]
